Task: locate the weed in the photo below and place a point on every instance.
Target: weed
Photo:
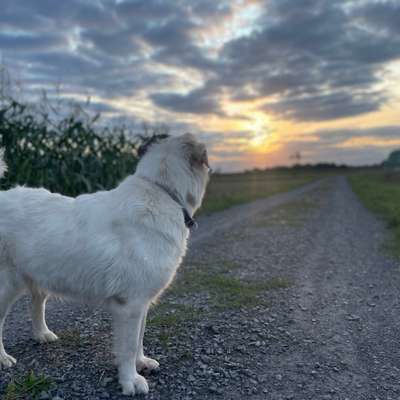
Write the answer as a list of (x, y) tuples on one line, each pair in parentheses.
[(29, 387), (226, 291), (229, 292), (170, 318)]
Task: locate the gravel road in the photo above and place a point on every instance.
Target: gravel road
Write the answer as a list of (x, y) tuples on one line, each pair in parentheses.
[(327, 328)]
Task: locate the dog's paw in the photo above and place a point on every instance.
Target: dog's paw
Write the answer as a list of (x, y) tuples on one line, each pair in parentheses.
[(146, 363), (45, 337), (6, 361), (136, 385)]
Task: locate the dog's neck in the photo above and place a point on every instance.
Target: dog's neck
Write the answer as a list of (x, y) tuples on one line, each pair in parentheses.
[(189, 221), (175, 192), (189, 192)]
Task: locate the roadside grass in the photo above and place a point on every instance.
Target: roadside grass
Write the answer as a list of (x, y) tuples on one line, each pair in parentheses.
[(28, 387), (227, 292), (168, 317), (380, 193), (226, 190)]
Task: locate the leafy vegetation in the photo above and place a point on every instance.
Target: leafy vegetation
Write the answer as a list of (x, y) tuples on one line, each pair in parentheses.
[(29, 387), (66, 155), (380, 192)]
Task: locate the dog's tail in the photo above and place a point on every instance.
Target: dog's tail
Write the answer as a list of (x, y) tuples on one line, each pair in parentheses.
[(3, 165)]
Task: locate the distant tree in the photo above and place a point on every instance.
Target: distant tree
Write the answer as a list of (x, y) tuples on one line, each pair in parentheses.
[(393, 161), (392, 166)]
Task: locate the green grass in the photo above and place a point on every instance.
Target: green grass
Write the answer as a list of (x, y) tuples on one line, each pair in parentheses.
[(29, 387), (226, 291), (222, 290), (381, 194), (231, 189), (169, 318)]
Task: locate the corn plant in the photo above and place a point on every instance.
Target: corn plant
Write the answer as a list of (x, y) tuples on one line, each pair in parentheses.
[(66, 155)]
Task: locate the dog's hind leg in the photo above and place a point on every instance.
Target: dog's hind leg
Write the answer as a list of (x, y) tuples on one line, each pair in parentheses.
[(127, 325), (10, 289), (41, 332), (143, 362)]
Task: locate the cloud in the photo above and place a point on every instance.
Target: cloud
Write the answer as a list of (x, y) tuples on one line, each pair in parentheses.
[(339, 136), (305, 60), (326, 106), (203, 100), (119, 44), (30, 43), (383, 15), (313, 50), (301, 51)]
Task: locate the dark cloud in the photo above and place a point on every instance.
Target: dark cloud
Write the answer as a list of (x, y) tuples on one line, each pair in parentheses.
[(105, 45), (30, 43), (325, 107), (119, 44), (309, 50), (199, 101), (383, 15), (42, 15), (339, 136), (147, 10)]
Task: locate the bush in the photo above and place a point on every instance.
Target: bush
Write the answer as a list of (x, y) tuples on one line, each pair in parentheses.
[(64, 154)]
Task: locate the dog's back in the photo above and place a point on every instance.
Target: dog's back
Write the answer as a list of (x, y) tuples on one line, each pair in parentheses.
[(96, 245)]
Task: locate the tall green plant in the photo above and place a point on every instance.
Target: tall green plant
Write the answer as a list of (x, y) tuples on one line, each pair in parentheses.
[(66, 155)]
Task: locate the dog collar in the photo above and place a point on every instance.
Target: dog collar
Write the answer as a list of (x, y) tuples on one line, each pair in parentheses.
[(189, 221)]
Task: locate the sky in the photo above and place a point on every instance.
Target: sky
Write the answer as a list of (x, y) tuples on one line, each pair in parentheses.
[(256, 80)]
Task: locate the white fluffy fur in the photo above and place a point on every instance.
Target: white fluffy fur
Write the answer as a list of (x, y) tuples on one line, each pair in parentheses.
[(120, 248)]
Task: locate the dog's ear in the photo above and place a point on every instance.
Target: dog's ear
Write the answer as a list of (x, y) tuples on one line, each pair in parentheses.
[(147, 142), (195, 152)]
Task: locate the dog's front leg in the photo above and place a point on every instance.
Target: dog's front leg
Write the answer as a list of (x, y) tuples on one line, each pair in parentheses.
[(127, 325), (143, 362)]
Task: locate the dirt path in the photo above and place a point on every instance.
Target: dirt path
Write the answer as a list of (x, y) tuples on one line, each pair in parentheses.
[(290, 297)]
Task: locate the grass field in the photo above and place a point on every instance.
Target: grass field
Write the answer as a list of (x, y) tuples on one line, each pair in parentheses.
[(381, 194), (230, 189)]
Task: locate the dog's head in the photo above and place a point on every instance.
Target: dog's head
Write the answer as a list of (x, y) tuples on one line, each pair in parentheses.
[(179, 163)]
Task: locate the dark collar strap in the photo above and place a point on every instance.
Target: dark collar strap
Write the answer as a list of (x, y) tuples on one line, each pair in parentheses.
[(189, 221)]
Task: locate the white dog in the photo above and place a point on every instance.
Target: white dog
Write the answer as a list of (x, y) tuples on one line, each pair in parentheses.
[(120, 248)]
